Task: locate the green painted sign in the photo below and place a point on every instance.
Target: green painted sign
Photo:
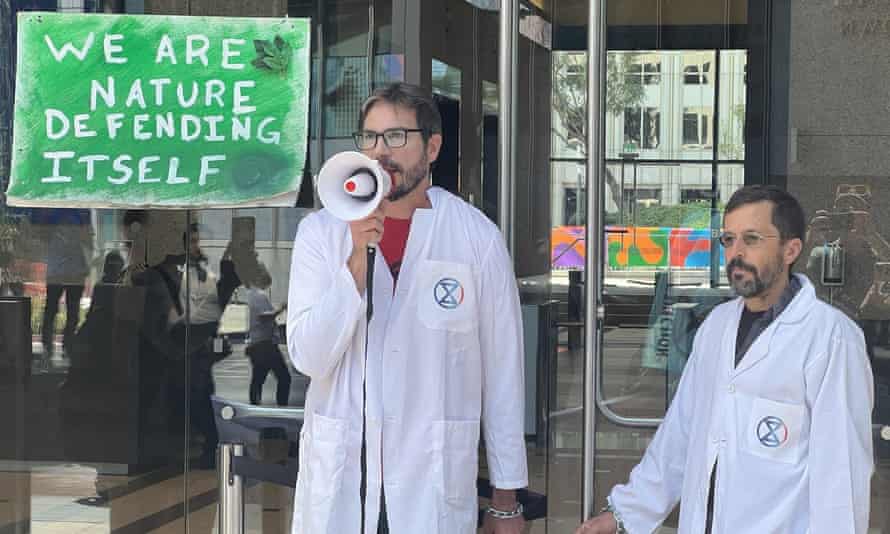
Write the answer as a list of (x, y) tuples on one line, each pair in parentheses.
[(158, 111)]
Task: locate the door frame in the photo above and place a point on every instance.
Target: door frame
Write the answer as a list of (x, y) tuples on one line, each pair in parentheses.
[(594, 308)]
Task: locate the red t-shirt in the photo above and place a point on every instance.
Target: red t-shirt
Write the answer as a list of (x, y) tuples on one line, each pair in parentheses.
[(395, 237)]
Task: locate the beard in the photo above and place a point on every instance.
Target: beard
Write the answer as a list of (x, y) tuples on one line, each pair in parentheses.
[(410, 179), (760, 281)]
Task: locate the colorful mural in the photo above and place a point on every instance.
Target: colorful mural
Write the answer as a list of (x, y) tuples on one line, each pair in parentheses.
[(567, 247), (636, 247), (691, 248)]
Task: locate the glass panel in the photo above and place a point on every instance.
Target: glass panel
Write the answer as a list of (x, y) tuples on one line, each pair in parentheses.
[(447, 91), (657, 290), (569, 196), (91, 378), (446, 80), (489, 150), (287, 223), (569, 104), (733, 87), (662, 271), (246, 275), (568, 223), (346, 66), (768, 101), (263, 222), (660, 103), (346, 85), (94, 376)]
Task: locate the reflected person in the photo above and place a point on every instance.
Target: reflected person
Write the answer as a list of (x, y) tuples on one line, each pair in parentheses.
[(263, 348), (202, 297), (69, 245)]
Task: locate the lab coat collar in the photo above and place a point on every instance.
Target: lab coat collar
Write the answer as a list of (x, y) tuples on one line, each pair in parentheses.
[(802, 303), (422, 222), (795, 312)]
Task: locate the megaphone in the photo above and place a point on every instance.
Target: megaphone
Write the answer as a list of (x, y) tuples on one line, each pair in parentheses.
[(351, 185)]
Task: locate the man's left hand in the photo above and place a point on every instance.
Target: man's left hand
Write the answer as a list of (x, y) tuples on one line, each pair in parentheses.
[(503, 526)]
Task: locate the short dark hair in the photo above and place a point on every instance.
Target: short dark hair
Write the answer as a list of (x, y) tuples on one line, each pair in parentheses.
[(787, 215), (410, 97)]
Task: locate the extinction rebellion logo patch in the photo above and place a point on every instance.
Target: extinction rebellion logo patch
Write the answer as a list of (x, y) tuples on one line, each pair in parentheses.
[(772, 432), (448, 293)]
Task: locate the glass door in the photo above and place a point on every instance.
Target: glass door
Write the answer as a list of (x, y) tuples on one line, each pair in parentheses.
[(701, 98), (674, 106)]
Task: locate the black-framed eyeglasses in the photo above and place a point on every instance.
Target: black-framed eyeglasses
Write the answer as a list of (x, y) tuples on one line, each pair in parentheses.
[(393, 137), (751, 239)]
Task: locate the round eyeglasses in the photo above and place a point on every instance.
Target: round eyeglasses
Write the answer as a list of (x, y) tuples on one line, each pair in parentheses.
[(751, 239)]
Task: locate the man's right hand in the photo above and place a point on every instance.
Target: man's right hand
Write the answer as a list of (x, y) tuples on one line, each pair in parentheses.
[(602, 524), (364, 232)]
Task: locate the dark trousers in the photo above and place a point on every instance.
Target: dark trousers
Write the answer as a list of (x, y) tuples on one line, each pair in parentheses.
[(382, 523), (200, 358), (709, 518), (264, 357), (72, 309)]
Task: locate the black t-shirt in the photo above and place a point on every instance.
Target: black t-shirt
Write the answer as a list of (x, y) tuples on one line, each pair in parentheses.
[(745, 323)]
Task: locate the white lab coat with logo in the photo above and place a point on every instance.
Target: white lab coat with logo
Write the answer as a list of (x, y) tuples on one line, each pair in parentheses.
[(789, 429), (444, 355)]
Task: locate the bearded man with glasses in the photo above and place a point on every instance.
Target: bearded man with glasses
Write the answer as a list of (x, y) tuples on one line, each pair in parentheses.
[(770, 429), (444, 349)]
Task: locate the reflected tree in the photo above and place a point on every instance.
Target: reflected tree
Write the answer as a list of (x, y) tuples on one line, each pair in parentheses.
[(624, 89)]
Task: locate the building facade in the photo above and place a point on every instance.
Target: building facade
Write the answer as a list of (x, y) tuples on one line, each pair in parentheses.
[(108, 430)]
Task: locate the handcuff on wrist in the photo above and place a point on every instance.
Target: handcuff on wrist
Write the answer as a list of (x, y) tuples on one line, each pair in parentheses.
[(618, 521), (505, 514)]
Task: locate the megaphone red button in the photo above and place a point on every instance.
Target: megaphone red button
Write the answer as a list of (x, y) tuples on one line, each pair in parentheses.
[(361, 184), (352, 185)]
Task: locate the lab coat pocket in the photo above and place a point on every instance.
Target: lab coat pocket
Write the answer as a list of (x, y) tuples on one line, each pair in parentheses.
[(455, 458), (446, 296), (773, 430), (326, 458)]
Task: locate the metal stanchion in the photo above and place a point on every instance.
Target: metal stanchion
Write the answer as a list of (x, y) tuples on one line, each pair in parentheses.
[(240, 425), (231, 490)]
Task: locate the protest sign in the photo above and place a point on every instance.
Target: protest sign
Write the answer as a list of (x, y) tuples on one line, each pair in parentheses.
[(159, 111)]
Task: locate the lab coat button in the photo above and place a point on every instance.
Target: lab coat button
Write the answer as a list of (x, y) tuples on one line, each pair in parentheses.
[(732, 388)]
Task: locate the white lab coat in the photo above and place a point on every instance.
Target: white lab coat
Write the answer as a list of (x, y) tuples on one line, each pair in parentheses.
[(789, 429), (435, 371)]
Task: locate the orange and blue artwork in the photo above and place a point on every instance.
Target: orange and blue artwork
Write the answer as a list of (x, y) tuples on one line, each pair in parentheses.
[(691, 248), (567, 247), (636, 246)]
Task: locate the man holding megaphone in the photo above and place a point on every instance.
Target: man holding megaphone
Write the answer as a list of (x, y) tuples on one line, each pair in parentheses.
[(412, 351)]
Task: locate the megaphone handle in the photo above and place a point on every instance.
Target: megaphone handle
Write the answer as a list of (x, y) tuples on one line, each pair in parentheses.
[(369, 280)]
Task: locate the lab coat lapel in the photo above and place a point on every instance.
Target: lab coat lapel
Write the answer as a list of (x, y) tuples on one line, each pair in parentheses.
[(727, 345), (757, 351), (419, 242), (383, 281)]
